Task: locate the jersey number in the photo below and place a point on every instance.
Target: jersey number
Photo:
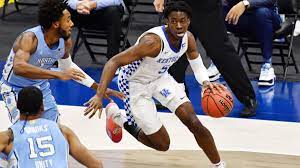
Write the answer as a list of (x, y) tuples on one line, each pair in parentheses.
[(43, 143), (164, 69)]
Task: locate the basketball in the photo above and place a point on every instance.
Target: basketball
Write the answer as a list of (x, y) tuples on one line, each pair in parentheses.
[(217, 105)]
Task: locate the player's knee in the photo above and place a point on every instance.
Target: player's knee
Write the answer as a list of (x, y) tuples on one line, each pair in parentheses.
[(195, 125)]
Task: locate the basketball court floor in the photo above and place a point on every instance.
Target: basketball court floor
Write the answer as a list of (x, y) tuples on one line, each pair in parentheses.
[(269, 140)]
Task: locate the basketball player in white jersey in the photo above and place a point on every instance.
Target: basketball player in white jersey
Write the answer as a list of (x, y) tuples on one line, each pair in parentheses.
[(36, 142), (144, 76)]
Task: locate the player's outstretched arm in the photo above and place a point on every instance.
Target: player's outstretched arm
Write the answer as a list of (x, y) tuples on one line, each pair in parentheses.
[(66, 63), (25, 45), (78, 151), (148, 46)]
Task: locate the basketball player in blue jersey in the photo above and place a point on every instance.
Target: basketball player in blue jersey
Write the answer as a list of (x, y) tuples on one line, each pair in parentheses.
[(33, 54), (40, 143), (144, 75)]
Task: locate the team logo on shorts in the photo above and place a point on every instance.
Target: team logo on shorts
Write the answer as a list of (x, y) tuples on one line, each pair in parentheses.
[(165, 92)]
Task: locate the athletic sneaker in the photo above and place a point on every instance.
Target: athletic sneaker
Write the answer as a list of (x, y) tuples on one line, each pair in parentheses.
[(113, 130), (221, 165), (213, 73), (267, 75)]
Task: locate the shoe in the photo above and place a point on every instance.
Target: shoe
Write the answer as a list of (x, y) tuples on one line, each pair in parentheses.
[(213, 73), (249, 109), (267, 76), (113, 130), (221, 165)]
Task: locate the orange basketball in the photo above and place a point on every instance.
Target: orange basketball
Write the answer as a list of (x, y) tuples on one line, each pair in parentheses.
[(217, 105)]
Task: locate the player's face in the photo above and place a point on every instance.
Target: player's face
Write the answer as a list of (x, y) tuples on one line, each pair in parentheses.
[(178, 23), (66, 25)]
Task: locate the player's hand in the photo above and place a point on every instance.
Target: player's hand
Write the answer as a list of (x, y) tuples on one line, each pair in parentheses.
[(111, 92), (71, 73), (235, 12), (213, 87), (85, 7), (93, 105), (159, 5)]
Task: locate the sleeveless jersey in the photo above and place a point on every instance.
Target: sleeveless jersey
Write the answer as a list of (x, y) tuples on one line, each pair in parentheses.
[(40, 145), (44, 57), (149, 69)]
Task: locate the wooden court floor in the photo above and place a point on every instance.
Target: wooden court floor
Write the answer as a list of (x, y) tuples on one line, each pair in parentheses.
[(189, 159)]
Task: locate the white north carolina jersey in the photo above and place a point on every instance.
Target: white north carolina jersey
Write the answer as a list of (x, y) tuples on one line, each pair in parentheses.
[(149, 69)]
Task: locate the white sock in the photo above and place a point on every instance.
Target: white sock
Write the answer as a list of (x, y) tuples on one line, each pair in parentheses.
[(119, 119), (116, 114), (221, 164)]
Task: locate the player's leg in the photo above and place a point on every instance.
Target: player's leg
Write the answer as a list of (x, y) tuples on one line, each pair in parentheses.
[(186, 114), (9, 96), (171, 94), (146, 127), (141, 119), (50, 106)]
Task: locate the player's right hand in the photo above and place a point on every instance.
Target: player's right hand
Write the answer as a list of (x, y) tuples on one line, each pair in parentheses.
[(94, 104), (71, 73)]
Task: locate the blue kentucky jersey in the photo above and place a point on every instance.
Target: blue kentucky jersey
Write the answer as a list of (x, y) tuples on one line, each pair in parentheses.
[(40, 144), (43, 57)]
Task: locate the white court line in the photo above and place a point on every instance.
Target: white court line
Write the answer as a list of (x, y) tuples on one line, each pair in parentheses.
[(231, 134)]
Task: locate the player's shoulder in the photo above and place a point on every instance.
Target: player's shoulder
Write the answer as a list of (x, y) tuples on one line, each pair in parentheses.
[(28, 37), (150, 38), (26, 40), (190, 35)]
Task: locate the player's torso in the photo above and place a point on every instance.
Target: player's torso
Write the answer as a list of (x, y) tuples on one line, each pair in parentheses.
[(44, 57), (41, 145), (149, 69)]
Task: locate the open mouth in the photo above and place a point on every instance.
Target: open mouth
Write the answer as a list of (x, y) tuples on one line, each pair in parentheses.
[(180, 34)]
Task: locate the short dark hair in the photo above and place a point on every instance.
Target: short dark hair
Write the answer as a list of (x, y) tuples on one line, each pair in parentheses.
[(50, 11), (177, 5), (30, 100)]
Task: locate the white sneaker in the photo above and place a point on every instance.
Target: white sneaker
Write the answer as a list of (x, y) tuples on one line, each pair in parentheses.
[(221, 165), (213, 72), (267, 76)]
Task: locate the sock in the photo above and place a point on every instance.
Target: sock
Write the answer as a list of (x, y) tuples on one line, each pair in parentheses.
[(119, 119), (116, 114), (221, 164), (133, 129)]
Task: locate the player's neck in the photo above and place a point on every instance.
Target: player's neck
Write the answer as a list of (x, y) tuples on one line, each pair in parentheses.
[(51, 37), (175, 42), (29, 117)]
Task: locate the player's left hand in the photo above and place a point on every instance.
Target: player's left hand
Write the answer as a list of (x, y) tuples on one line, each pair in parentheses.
[(111, 92), (94, 104)]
